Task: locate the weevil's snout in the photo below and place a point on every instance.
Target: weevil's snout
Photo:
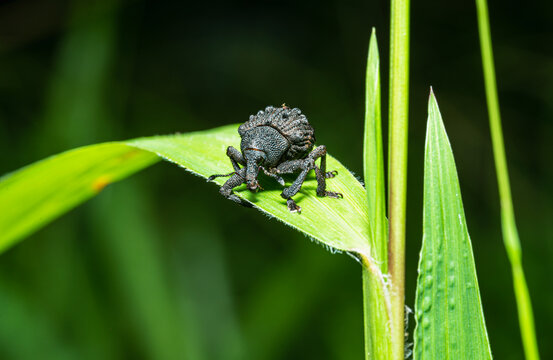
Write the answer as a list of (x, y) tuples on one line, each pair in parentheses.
[(251, 177), (254, 186), (254, 159)]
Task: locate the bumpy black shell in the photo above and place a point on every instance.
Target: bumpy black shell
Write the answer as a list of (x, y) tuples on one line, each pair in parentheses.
[(291, 123)]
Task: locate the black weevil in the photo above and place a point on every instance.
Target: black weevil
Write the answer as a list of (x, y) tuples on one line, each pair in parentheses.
[(278, 141)]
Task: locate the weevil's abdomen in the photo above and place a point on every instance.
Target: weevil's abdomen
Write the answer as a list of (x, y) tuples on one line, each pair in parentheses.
[(290, 123), (267, 140)]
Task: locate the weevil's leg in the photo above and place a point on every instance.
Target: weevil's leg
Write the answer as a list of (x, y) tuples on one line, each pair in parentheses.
[(321, 173), (331, 174), (328, 174), (293, 190), (235, 158), (290, 166), (273, 175), (237, 179)]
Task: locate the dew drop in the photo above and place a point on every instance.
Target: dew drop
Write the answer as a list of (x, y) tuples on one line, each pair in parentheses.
[(429, 279), (451, 265), (429, 265), (426, 323), (426, 303), (451, 303), (451, 280)]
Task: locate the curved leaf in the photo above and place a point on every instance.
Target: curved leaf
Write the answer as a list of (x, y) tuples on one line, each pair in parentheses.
[(36, 194)]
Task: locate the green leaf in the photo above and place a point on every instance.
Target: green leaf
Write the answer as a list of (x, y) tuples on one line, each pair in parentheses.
[(374, 160), (450, 321), (35, 195), (376, 317)]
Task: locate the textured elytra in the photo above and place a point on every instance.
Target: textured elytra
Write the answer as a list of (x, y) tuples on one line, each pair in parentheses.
[(290, 123)]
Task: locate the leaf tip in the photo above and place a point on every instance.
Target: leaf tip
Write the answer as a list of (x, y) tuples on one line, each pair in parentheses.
[(372, 41), (432, 104)]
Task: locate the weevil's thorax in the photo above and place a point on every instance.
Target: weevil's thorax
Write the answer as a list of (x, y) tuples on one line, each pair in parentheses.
[(267, 140)]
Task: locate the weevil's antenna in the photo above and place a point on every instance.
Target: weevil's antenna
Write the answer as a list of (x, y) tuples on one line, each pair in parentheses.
[(220, 175)]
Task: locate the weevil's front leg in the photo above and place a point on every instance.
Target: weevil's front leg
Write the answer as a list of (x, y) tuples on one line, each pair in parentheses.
[(237, 179), (290, 167), (322, 174), (273, 175), (293, 190), (235, 158)]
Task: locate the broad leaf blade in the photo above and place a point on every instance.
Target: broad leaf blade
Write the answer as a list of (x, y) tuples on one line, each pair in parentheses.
[(339, 223), (450, 321), (36, 194)]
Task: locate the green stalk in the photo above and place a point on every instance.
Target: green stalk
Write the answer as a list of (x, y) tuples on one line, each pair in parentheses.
[(397, 151), (510, 233)]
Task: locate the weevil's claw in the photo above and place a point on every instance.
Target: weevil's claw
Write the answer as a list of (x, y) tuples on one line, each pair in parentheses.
[(334, 195), (292, 206), (331, 174), (281, 181)]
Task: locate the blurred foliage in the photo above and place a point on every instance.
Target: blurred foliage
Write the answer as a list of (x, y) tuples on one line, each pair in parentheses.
[(207, 279)]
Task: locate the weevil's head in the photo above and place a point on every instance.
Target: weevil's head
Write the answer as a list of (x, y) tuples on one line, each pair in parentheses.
[(254, 159)]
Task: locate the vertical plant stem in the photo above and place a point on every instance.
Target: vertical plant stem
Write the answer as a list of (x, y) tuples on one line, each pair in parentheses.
[(510, 233), (397, 151)]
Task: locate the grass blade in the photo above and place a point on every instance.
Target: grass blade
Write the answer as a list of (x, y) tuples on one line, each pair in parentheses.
[(510, 233), (450, 321), (377, 340), (374, 160), (36, 194)]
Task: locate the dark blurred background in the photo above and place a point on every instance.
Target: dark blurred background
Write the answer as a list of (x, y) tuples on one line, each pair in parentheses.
[(160, 266)]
